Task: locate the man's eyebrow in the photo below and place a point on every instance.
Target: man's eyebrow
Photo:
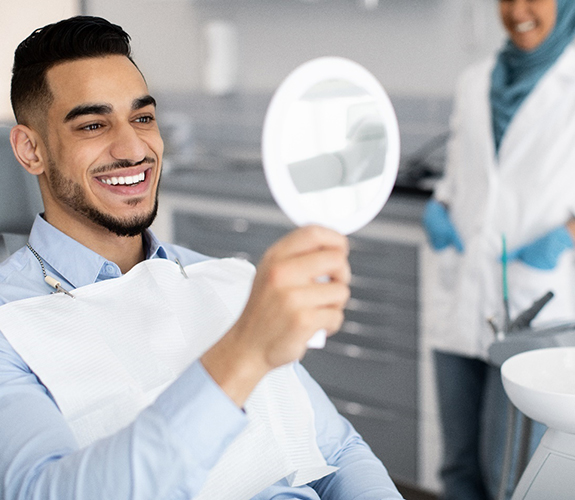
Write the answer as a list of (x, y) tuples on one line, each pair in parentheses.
[(88, 109), (106, 109), (142, 102)]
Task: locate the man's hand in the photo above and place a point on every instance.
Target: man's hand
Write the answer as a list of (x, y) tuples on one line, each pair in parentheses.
[(287, 305)]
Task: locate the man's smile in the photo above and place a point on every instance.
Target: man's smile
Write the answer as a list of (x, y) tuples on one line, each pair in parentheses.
[(130, 181), (127, 180)]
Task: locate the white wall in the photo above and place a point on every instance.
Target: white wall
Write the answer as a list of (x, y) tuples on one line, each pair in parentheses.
[(18, 18), (165, 36), (415, 47)]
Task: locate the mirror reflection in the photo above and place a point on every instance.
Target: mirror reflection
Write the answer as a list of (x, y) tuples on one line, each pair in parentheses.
[(334, 137), (330, 145)]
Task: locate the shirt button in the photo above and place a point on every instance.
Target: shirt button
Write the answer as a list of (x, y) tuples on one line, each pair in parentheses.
[(110, 269)]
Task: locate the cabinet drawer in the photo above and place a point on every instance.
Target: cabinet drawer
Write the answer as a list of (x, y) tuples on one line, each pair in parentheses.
[(384, 376), (391, 434), (377, 336), (384, 258), (402, 274), (384, 289), (225, 236), (381, 314)]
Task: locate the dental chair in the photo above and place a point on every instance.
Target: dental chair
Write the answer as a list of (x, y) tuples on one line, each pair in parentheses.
[(20, 199)]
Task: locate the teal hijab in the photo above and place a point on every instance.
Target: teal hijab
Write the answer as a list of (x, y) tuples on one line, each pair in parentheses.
[(517, 72)]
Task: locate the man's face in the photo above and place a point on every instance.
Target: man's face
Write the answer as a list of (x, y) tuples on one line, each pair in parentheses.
[(103, 147), (528, 22)]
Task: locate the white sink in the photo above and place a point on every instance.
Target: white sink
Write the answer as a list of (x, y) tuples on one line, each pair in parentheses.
[(541, 384)]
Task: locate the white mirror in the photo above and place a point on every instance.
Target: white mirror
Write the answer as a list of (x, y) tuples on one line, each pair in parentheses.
[(330, 145)]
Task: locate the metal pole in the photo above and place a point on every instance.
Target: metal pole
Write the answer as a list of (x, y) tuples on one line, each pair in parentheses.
[(524, 445), (508, 455)]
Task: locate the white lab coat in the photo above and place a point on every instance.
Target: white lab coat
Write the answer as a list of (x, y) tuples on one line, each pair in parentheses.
[(526, 192)]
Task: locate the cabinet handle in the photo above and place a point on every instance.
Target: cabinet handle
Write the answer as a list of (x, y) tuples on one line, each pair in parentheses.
[(384, 284), (366, 331), (361, 410), (369, 306), (240, 225), (364, 306), (244, 256), (356, 352), (370, 332)]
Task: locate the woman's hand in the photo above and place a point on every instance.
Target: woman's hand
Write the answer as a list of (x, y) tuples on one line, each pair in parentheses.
[(440, 231)]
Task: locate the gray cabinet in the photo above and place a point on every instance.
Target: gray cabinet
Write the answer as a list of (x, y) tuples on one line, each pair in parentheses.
[(370, 368)]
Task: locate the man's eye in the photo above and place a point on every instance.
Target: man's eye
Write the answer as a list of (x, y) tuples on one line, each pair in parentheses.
[(91, 127), (145, 119)]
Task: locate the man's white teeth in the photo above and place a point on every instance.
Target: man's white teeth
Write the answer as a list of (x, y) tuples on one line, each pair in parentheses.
[(524, 27), (128, 180)]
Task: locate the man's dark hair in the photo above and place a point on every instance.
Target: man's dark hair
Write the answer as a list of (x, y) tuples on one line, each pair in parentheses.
[(79, 37)]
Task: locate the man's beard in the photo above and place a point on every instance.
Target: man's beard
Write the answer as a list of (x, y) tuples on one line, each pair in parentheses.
[(74, 196)]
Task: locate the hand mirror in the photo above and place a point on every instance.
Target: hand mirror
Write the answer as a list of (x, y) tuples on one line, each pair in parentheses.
[(330, 146)]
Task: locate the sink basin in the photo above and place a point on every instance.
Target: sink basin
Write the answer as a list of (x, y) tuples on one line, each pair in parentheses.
[(541, 384)]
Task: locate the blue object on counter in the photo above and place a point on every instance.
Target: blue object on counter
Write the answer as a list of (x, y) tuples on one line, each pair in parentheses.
[(441, 232)]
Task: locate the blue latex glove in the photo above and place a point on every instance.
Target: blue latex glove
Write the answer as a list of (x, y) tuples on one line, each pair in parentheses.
[(440, 230), (544, 252)]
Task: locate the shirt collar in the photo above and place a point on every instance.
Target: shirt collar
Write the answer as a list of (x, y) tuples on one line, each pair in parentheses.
[(154, 249), (74, 262)]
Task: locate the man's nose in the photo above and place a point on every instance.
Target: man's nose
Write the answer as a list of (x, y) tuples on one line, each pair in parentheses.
[(128, 145)]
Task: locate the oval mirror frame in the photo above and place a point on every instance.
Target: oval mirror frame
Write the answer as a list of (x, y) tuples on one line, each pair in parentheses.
[(292, 89)]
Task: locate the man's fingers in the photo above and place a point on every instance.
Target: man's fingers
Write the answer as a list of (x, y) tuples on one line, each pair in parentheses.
[(301, 286), (316, 296), (319, 266), (305, 310), (308, 239)]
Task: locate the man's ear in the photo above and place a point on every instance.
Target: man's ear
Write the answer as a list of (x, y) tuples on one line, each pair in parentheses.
[(26, 146)]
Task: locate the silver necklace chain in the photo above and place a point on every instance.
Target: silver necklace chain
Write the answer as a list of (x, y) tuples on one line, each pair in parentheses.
[(54, 283), (35, 254)]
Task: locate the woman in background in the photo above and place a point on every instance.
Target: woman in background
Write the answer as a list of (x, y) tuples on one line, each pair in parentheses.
[(510, 176)]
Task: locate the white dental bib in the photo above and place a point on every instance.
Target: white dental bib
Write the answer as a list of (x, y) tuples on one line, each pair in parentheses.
[(109, 352)]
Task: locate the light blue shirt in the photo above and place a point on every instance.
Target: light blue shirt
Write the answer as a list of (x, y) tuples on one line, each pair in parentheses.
[(167, 452)]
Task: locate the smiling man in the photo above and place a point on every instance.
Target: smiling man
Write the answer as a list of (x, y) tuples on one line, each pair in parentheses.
[(96, 150), (159, 373)]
